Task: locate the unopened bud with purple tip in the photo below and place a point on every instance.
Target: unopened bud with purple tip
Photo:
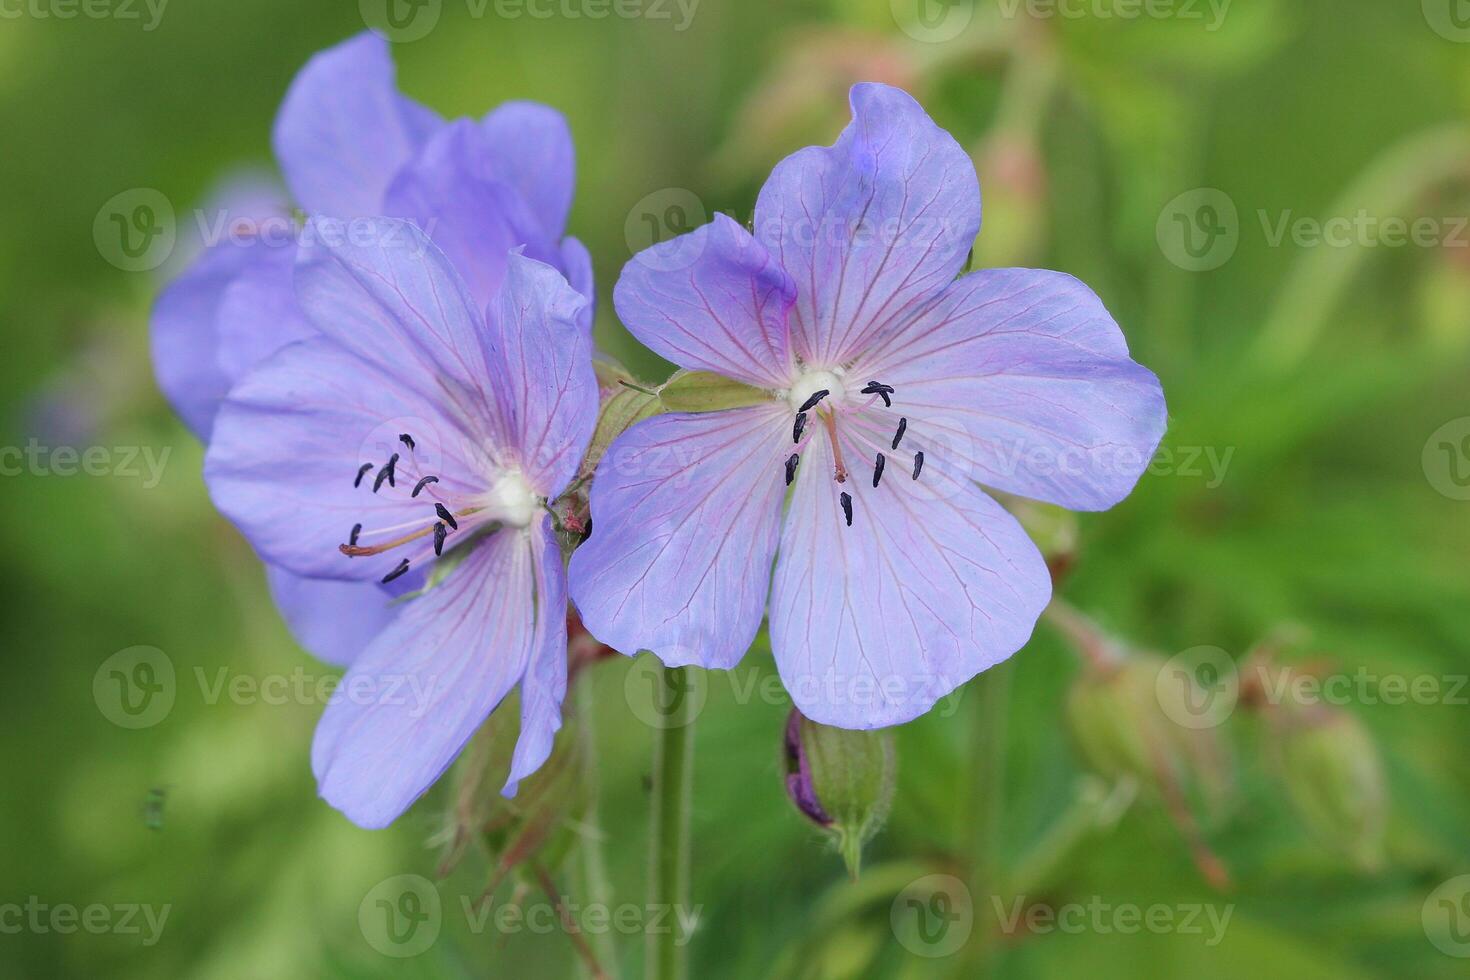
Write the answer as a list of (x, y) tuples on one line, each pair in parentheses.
[(841, 780)]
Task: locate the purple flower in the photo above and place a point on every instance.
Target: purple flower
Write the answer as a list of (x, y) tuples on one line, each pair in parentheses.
[(505, 403), (350, 146), (889, 389)]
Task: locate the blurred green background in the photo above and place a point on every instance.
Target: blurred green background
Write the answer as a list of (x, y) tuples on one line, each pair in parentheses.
[(1324, 373)]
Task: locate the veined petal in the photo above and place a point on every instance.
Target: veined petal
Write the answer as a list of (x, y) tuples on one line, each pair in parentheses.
[(291, 438), (1032, 378), (932, 583), (711, 300), (541, 359), (685, 513), (334, 621), (382, 290), (416, 695), (451, 191), (531, 150), (577, 262), (544, 686), (871, 228), (343, 130)]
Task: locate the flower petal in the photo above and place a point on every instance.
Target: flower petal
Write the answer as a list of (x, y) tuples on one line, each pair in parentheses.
[(872, 227), (416, 695), (544, 686), (258, 314), (711, 300), (685, 510), (577, 262), (334, 621), (343, 130), (932, 583), (382, 290), (288, 444), (450, 190), (531, 150), (1031, 378), (541, 359)]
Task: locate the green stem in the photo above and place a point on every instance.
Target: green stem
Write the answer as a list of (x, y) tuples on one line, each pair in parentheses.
[(594, 859), (673, 785), (989, 694)]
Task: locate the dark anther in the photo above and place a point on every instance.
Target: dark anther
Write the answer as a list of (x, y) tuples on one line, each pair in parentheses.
[(417, 487), (361, 472), (918, 463), (898, 436), (813, 401), (847, 508), (791, 462), (352, 538), (881, 390), (439, 533), (384, 474), (878, 469), (798, 426), (391, 467), (400, 570), (446, 517), (407, 440)]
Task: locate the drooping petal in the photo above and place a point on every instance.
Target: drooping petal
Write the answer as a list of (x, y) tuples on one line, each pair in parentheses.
[(382, 290), (540, 360), (451, 192), (872, 227), (343, 130), (1031, 377), (711, 300), (291, 438), (685, 514), (531, 150), (416, 695), (577, 262), (932, 583), (334, 621), (544, 686), (258, 314)]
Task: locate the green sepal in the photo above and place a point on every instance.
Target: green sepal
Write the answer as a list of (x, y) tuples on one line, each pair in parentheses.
[(705, 391)]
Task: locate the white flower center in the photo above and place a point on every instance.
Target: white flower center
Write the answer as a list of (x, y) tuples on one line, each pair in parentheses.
[(812, 382), (511, 501)]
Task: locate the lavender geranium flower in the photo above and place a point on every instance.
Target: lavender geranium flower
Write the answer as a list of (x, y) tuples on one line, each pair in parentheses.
[(506, 402), (350, 146), (886, 389)]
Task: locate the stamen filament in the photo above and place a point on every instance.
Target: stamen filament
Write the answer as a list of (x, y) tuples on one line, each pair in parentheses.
[(829, 419)]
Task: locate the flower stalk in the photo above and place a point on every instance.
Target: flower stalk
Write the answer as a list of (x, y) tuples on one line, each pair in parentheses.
[(673, 793)]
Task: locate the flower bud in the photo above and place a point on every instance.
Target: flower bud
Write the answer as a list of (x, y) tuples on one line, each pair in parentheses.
[(1334, 778), (841, 780)]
